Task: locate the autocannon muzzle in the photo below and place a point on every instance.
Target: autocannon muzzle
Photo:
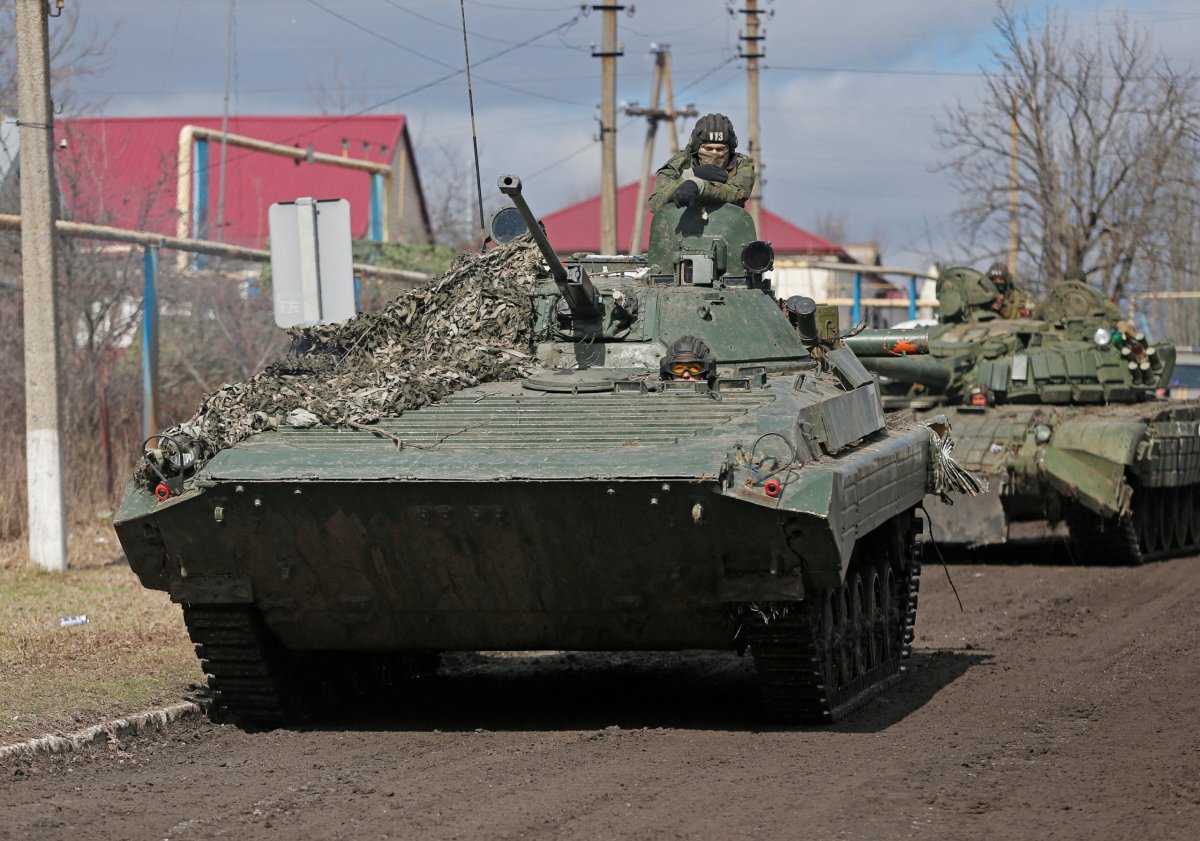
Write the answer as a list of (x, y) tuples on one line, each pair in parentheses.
[(574, 284)]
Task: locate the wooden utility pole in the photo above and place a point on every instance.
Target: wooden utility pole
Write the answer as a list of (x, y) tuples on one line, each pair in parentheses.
[(673, 124), (43, 410), (608, 126), (653, 115), (1013, 229), (752, 52)]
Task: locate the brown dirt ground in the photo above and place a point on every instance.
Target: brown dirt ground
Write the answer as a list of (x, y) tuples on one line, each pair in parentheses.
[(1062, 704)]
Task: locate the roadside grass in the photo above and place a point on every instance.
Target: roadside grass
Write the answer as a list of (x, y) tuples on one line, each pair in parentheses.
[(132, 655)]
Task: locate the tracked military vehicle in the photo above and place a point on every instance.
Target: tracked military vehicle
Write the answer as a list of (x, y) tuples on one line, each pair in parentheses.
[(592, 505), (1059, 412)]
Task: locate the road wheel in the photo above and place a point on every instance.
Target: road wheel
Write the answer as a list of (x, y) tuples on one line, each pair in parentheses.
[(874, 625)]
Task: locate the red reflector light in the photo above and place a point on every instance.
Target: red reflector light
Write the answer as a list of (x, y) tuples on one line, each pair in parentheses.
[(162, 491), (772, 487)]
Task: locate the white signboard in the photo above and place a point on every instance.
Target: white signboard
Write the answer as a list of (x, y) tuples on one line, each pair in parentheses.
[(311, 263)]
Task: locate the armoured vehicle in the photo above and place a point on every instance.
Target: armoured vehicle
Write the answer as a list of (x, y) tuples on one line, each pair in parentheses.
[(591, 506), (1059, 412)]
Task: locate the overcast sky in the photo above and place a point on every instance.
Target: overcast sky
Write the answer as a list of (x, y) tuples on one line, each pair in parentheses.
[(849, 92)]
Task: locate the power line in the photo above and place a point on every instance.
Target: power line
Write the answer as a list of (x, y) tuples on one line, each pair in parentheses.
[(571, 155), (417, 89), (662, 36), (473, 34), (512, 8), (575, 154), (536, 95), (374, 34), (706, 74), (875, 71), (514, 45)]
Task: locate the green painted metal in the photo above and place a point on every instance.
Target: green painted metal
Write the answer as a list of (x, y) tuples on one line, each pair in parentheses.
[(592, 506), (1060, 412), (718, 233)]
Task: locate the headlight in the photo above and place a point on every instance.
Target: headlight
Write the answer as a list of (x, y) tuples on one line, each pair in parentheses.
[(1042, 433), (1103, 337)]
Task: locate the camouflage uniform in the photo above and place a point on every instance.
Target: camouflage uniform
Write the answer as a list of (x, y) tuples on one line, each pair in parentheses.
[(677, 170), (1016, 304)]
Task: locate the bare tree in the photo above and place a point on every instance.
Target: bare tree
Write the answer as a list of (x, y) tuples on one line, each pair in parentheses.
[(336, 93), (831, 225), (73, 56), (448, 177), (1107, 152)]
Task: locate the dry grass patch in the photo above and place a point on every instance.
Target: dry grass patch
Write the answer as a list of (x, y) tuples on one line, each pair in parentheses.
[(132, 655)]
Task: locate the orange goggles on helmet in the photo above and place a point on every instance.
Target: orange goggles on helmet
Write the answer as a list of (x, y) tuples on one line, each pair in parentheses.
[(680, 368)]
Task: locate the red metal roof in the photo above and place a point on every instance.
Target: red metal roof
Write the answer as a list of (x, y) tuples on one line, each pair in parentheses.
[(577, 228), (123, 171)]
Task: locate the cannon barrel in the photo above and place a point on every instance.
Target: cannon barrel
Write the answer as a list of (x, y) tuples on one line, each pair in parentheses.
[(574, 284), (928, 371), (887, 343)]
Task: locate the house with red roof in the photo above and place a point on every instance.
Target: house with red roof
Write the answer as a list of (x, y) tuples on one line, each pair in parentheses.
[(170, 175), (577, 229)]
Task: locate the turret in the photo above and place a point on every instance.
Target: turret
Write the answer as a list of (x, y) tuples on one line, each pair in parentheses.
[(1019, 361)]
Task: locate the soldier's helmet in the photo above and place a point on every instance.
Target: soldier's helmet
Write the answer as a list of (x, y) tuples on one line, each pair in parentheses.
[(998, 274), (688, 358), (713, 128)]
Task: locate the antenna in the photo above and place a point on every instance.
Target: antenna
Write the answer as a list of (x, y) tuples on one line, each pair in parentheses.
[(474, 137)]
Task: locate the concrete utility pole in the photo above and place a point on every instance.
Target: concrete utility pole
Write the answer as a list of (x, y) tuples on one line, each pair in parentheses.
[(653, 115), (608, 126), (753, 51), (43, 411)]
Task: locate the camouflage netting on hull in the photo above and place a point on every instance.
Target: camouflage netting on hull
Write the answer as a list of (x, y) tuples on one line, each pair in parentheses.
[(470, 326)]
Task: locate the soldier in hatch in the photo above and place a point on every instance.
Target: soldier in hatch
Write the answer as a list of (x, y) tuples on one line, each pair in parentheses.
[(688, 358), (1010, 302), (708, 171)]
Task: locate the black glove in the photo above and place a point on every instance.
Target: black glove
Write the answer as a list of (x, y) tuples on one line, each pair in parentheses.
[(685, 194), (711, 172)]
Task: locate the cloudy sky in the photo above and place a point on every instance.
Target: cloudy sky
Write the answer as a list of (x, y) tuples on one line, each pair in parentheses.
[(850, 90)]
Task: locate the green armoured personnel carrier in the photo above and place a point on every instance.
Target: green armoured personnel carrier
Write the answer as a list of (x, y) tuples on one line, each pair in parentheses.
[(1059, 413), (588, 505)]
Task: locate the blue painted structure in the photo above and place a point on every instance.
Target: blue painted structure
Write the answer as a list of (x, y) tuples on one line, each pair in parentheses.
[(856, 307), (200, 197), (912, 299), (376, 215), (150, 341)]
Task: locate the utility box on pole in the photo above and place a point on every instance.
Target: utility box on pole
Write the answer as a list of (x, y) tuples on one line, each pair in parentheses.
[(312, 272)]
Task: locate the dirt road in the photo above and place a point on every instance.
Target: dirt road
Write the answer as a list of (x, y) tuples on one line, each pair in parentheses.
[(1062, 704)]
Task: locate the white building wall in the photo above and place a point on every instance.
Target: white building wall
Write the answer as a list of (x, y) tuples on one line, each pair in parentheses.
[(789, 278)]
